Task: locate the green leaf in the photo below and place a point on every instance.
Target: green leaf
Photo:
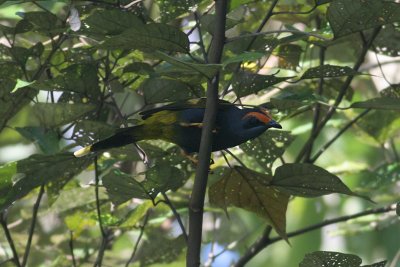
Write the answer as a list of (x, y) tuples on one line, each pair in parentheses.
[(159, 90), (111, 22), (150, 37), (139, 68), (328, 71), (388, 103), (42, 20), (388, 41), (122, 187), (47, 140), (87, 132), (246, 83), (23, 26), (250, 190), (244, 57), (158, 248), (307, 180), (207, 70), (208, 21), (293, 97), (78, 222), (162, 178), (53, 115), (289, 54), (21, 84), (134, 217), (349, 16), (333, 259), (25, 175), (170, 11), (268, 147), (380, 124)]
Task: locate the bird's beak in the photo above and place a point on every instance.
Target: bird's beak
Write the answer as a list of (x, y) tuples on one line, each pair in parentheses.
[(274, 124)]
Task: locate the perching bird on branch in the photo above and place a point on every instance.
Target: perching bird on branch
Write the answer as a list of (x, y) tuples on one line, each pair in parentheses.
[(181, 123)]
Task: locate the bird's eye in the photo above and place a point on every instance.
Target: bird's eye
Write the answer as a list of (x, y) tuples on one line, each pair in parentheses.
[(252, 122)]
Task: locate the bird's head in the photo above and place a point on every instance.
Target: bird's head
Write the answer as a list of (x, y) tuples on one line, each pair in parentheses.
[(259, 118)]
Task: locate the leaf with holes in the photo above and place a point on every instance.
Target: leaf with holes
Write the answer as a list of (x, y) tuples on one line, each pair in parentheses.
[(328, 71), (332, 259), (53, 115), (23, 176), (289, 54), (122, 187), (160, 90), (307, 180), (246, 83), (170, 11), (388, 103), (150, 37), (388, 41), (349, 16), (244, 57), (159, 248), (206, 70), (111, 22), (268, 147), (250, 190)]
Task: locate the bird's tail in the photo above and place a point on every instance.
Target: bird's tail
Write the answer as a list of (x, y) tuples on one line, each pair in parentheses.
[(123, 137)]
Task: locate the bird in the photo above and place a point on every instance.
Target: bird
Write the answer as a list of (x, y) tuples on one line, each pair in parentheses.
[(181, 123)]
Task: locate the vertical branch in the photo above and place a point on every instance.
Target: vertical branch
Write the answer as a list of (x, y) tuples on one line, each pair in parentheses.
[(196, 205), (3, 222), (269, 14), (146, 218), (103, 245), (317, 110), (71, 248), (33, 224)]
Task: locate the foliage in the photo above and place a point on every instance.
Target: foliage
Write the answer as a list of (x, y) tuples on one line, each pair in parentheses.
[(71, 73)]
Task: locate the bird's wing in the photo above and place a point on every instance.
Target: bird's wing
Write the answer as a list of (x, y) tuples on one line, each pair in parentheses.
[(181, 105)]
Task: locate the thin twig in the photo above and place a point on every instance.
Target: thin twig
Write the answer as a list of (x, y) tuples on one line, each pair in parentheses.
[(317, 111), (104, 234), (342, 131), (196, 205), (176, 214), (3, 222), (71, 248), (146, 218), (256, 34), (340, 96), (33, 224), (265, 241)]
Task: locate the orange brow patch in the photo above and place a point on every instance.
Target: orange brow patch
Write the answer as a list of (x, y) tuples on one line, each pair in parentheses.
[(263, 117)]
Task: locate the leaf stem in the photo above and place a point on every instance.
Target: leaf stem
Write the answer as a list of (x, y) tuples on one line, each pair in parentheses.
[(104, 233), (146, 218), (196, 205), (265, 240), (3, 222), (33, 224), (176, 214)]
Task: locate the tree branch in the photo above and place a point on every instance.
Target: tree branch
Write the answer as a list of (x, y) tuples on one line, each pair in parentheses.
[(3, 222), (265, 240), (146, 218), (33, 224), (196, 205)]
